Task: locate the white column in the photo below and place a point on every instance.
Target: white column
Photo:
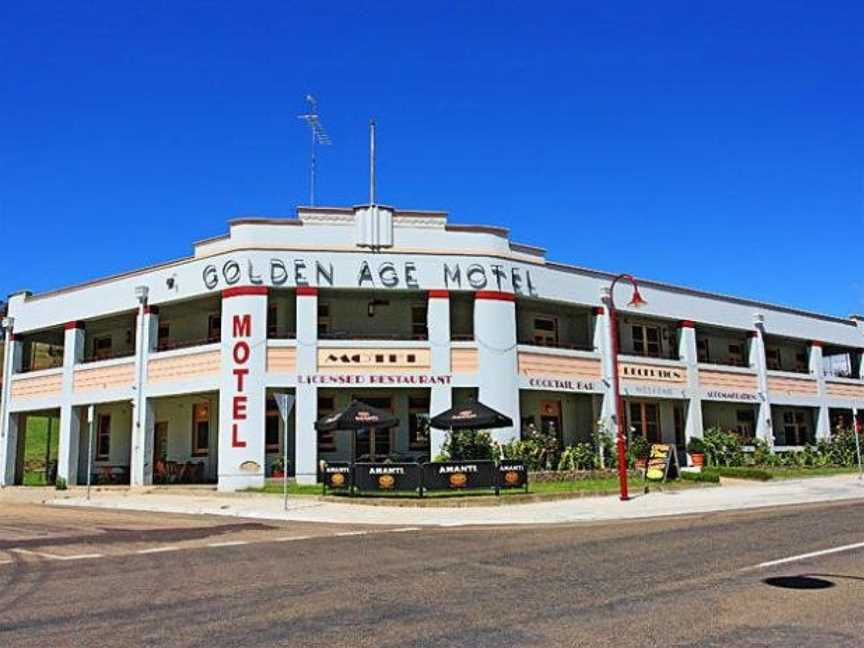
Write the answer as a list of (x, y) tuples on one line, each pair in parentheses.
[(602, 344), (143, 419), (8, 426), (306, 404), (687, 351), (495, 331), (823, 420), (441, 397), (764, 428), (242, 388), (69, 438)]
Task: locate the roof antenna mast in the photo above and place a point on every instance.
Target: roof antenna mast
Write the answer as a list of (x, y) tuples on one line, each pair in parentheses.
[(372, 162), (319, 136)]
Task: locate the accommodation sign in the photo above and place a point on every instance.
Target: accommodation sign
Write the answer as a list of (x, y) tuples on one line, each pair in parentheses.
[(294, 272)]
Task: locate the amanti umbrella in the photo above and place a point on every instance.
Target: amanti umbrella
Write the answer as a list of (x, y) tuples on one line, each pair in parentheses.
[(473, 415)]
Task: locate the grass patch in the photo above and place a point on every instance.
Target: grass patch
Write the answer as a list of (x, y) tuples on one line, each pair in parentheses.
[(38, 443), (798, 473), (704, 477)]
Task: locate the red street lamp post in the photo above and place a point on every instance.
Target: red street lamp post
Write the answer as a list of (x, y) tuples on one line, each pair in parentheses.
[(635, 301)]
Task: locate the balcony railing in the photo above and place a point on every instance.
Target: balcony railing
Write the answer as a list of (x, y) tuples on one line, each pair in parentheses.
[(839, 373), (462, 337), (280, 333), (725, 363), (348, 335), (171, 344), (108, 355), (572, 346), (42, 364)]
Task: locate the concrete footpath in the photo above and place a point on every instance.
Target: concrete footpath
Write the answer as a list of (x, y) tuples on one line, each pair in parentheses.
[(584, 509)]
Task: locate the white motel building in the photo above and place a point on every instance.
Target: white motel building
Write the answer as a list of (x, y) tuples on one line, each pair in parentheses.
[(179, 362)]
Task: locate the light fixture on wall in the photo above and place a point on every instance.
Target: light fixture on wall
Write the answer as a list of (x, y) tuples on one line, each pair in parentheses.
[(7, 323), (370, 307), (141, 293)]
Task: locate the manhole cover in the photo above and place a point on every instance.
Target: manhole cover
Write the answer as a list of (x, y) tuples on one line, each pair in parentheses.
[(798, 582)]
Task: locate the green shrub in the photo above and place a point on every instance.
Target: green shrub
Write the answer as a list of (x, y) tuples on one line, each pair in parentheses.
[(462, 445), (580, 456), (638, 448), (60, 484), (762, 455), (696, 446), (604, 443), (722, 448), (703, 476)]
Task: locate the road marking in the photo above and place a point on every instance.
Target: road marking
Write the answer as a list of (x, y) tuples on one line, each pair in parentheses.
[(228, 543), (350, 533), (402, 530), (290, 538), (812, 554), (157, 550), (55, 556)]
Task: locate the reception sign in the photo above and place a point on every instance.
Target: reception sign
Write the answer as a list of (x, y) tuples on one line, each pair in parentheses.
[(387, 476)]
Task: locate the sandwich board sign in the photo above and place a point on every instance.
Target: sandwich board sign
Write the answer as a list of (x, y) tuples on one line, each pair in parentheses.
[(662, 462)]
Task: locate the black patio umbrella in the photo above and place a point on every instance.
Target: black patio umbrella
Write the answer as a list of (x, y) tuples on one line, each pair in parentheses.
[(473, 415), (356, 416)]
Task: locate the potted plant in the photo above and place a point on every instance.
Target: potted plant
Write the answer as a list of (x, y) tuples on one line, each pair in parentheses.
[(639, 451), (278, 468), (696, 450)]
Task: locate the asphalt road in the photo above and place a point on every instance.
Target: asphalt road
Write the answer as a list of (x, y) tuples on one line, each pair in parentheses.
[(102, 578)]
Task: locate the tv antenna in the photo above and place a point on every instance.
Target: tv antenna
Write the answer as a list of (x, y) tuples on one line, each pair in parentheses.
[(319, 136)]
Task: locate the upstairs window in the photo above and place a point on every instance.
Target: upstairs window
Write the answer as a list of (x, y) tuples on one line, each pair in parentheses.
[(323, 318), (773, 358), (702, 350), (102, 347), (646, 340), (214, 328), (802, 364), (736, 355), (546, 331), (419, 322)]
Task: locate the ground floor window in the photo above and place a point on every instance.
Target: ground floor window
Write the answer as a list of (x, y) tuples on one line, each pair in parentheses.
[(374, 444), (840, 420), (326, 440), (418, 422), (796, 428), (746, 423), (200, 429), (680, 425), (103, 437), (645, 421), (271, 426)]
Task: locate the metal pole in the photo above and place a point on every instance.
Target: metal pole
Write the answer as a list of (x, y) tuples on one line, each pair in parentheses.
[(856, 428), (92, 423), (619, 402), (312, 171), (285, 465), (371, 162)]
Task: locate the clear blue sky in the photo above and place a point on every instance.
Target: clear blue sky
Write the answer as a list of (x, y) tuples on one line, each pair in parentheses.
[(715, 145)]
